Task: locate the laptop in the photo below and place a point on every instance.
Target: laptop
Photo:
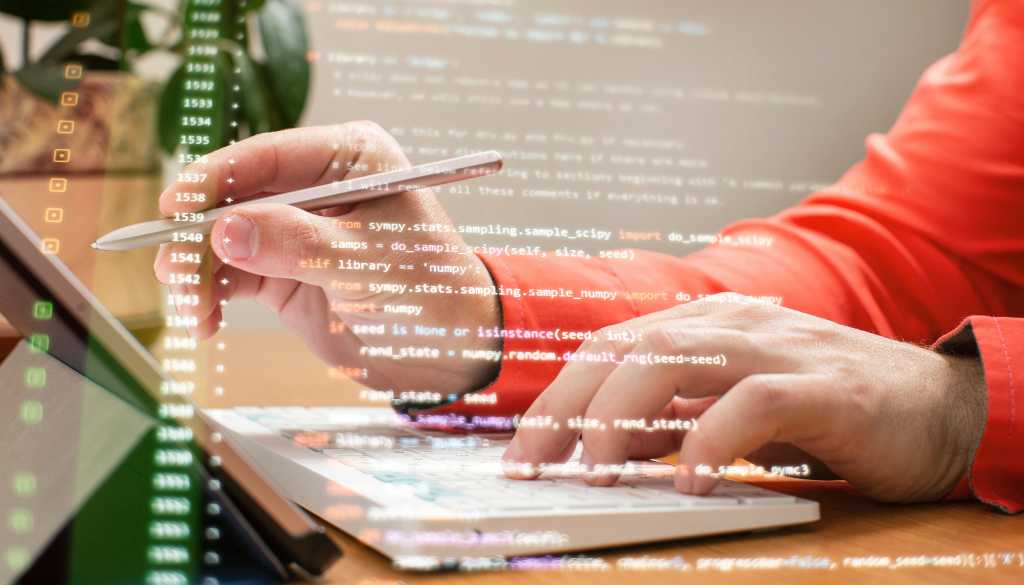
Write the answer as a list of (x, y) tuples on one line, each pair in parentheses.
[(431, 500), (428, 499), (115, 479)]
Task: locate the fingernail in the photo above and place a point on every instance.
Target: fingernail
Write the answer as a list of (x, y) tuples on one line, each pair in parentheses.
[(683, 479), (239, 237), (588, 472), (704, 485), (512, 453), (512, 466), (594, 473)]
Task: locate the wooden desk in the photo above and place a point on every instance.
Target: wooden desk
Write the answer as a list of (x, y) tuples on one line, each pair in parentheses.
[(274, 368), (851, 525)]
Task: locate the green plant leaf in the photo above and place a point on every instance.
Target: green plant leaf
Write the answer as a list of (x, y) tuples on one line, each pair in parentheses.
[(283, 32), (134, 36), (254, 5), (256, 104), (45, 77), (224, 96), (169, 110), (94, 62), (103, 22), (50, 10), (276, 115), (45, 80)]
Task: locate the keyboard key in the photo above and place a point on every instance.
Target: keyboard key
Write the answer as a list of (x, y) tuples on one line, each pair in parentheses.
[(465, 474)]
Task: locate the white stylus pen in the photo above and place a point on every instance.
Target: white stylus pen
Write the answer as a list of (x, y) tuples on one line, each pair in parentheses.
[(460, 168)]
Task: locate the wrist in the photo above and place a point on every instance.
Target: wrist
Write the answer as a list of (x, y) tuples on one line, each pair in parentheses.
[(484, 312), (965, 413)]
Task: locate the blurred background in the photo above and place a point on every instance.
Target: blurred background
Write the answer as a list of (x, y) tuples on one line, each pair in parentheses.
[(673, 118), (662, 119)]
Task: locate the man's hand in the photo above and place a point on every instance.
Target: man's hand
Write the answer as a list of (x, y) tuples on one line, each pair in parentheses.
[(897, 421), (344, 278)]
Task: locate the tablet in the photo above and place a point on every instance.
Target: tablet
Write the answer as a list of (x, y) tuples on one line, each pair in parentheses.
[(83, 335)]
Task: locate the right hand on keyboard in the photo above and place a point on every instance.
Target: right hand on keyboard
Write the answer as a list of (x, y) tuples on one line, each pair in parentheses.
[(288, 259)]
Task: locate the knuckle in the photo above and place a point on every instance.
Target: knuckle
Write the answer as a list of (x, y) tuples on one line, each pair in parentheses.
[(861, 400), (684, 309), (597, 340), (745, 312), (301, 241), (252, 144), (541, 404), (767, 396), (745, 343), (607, 340), (723, 297), (369, 127), (745, 306), (662, 339), (352, 137), (370, 146), (160, 264), (807, 332), (728, 300), (366, 135)]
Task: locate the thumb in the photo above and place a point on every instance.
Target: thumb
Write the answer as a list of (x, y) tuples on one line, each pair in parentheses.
[(278, 241)]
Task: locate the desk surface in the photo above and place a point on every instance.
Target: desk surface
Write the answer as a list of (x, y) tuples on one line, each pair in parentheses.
[(851, 525)]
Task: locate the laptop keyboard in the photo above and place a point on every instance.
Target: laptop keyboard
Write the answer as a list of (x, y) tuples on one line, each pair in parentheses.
[(464, 473)]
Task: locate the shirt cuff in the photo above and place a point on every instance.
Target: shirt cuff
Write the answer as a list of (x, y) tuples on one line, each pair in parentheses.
[(529, 358), (550, 304), (996, 475)]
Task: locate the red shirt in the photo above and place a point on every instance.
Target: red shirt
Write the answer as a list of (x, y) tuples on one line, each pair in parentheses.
[(923, 237)]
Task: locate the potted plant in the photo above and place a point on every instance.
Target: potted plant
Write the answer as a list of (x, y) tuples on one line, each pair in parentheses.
[(123, 115), (127, 109)]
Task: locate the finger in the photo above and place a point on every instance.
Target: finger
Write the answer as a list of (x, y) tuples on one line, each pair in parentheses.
[(166, 261), (189, 193), (648, 380), (208, 326), (652, 444), (761, 409), (181, 300), (577, 383), (195, 285), (207, 307), (279, 241), (525, 470), (176, 258), (291, 159), (228, 283), (565, 398), (572, 391), (232, 283), (791, 457), (305, 310)]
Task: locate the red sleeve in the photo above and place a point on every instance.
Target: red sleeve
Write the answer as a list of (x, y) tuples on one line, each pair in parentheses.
[(996, 476), (922, 233)]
